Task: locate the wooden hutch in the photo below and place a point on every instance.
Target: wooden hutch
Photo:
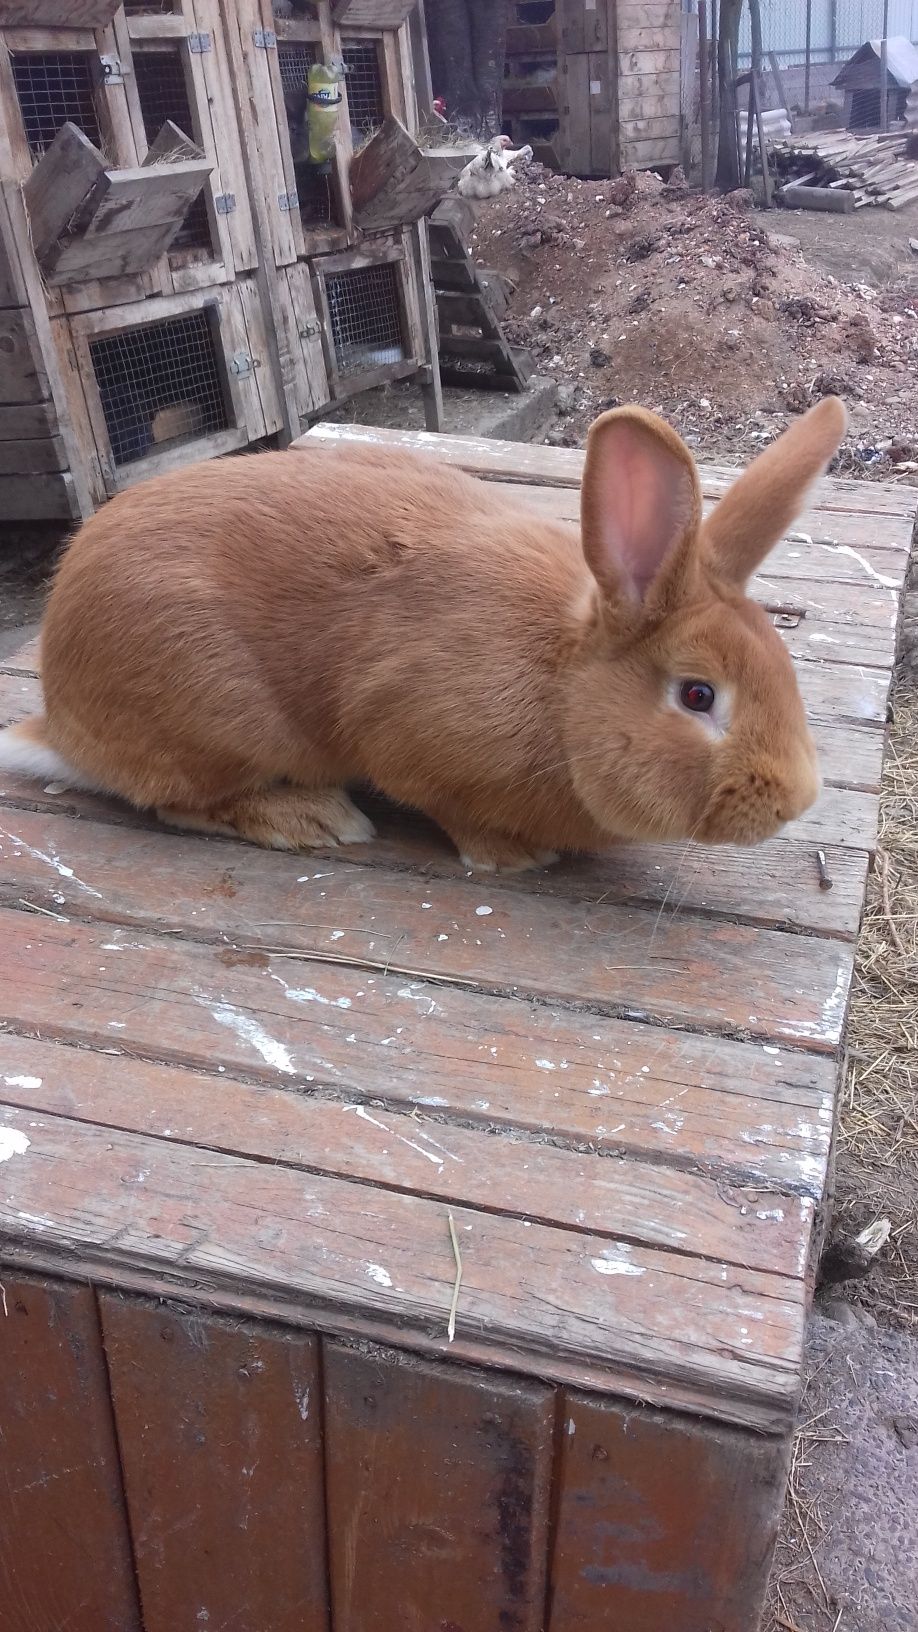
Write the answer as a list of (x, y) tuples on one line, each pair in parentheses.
[(601, 86), (119, 359)]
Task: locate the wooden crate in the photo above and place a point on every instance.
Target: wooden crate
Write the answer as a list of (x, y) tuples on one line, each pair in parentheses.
[(245, 1093)]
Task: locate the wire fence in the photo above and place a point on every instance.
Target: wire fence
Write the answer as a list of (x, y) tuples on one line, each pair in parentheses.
[(809, 41)]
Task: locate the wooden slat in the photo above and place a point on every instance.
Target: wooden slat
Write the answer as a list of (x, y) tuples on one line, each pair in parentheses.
[(22, 373), (34, 457), (49, 497), (659, 1518), (570, 1307), (61, 1504), (711, 974), (438, 1485), (563, 467), (219, 1426), (755, 1113), (625, 1198)]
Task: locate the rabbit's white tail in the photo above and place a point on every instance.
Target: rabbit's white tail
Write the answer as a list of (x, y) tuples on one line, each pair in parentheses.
[(23, 748)]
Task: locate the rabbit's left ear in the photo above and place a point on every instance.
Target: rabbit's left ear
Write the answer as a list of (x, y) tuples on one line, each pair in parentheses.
[(640, 508), (760, 507)]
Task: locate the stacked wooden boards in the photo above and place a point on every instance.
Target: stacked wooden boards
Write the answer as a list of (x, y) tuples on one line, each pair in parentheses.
[(876, 169), (245, 1093)]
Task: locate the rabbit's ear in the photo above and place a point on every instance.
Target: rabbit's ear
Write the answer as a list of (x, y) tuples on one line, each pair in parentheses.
[(640, 507), (759, 508)]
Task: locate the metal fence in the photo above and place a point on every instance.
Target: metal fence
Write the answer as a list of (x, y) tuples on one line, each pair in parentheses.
[(810, 39)]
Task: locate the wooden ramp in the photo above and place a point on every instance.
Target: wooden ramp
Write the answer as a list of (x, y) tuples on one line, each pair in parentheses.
[(245, 1094)]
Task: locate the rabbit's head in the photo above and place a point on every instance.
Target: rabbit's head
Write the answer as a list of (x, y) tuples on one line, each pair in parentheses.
[(683, 718)]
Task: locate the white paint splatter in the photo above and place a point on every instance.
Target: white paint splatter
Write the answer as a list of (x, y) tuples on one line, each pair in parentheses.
[(615, 1266), (23, 1082), (776, 1213), (483, 912), (308, 994), (878, 577), (379, 1275), (13, 1142), (363, 1113), (546, 1065), (302, 1404), (52, 861), (248, 1029)]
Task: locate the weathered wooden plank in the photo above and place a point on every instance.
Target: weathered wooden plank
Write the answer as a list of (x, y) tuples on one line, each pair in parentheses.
[(48, 497), (22, 374), (438, 1488), (27, 420), (219, 1426), (57, 13), (608, 1085), (557, 1304), (575, 112), (841, 548), (491, 1167), (563, 467), (65, 181), (663, 1521), (712, 974), (61, 1503), (34, 457)]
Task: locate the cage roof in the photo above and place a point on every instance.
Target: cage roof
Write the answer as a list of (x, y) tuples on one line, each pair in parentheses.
[(861, 72)]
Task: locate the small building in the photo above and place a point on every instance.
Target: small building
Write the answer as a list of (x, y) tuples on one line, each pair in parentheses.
[(600, 86), (178, 279), (860, 81)]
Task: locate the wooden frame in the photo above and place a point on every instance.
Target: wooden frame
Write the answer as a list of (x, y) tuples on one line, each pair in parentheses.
[(395, 255)]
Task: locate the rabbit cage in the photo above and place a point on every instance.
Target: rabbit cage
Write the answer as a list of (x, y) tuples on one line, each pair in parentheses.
[(600, 86), (177, 280)]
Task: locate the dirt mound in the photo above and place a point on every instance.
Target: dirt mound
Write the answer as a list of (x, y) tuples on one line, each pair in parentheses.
[(629, 290)]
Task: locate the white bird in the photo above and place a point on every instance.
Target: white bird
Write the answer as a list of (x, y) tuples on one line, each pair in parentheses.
[(490, 172)]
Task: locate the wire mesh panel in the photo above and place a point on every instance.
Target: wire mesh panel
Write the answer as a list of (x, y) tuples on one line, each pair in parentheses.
[(314, 190), (52, 87), (364, 85), (162, 90), (159, 385), (365, 318)]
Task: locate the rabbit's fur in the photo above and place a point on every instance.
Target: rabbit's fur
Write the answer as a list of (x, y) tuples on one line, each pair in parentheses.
[(236, 643)]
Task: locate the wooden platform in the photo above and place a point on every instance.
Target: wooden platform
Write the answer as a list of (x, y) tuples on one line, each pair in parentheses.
[(244, 1094)]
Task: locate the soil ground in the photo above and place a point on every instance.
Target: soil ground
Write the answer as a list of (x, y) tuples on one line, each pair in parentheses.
[(627, 290)]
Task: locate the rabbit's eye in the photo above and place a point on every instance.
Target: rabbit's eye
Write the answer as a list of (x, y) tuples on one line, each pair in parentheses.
[(697, 695)]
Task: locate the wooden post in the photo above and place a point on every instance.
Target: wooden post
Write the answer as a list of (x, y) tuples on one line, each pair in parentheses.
[(884, 69), (778, 79), (809, 52), (705, 95)]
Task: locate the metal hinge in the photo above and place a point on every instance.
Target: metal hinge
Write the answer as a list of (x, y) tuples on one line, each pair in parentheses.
[(242, 365), (225, 203), (199, 43), (264, 39), (112, 71), (289, 201)]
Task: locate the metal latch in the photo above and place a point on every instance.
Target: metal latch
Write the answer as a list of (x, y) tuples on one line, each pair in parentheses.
[(225, 203), (264, 39), (112, 71), (289, 201), (242, 365), (309, 330), (199, 43)]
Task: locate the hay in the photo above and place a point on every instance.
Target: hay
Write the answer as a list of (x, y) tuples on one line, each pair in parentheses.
[(878, 1134)]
